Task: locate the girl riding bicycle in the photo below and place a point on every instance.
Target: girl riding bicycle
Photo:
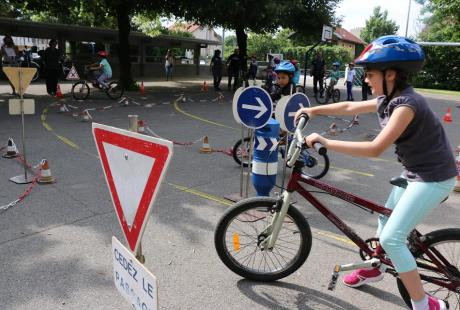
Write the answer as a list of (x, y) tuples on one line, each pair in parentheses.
[(421, 145), (105, 69)]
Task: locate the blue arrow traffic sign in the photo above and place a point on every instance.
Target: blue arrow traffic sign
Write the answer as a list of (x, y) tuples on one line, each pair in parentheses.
[(286, 109), (254, 107)]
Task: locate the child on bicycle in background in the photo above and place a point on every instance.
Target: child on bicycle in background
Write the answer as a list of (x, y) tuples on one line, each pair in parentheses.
[(334, 75), (421, 146), (104, 68)]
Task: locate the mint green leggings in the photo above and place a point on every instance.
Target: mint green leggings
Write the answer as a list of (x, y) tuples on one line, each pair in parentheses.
[(410, 206)]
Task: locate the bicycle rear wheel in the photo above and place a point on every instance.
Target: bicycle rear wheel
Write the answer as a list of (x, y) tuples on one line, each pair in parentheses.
[(115, 91), (239, 233), (80, 90), (336, 95), (445, 243), (316, 165), (239, 150)]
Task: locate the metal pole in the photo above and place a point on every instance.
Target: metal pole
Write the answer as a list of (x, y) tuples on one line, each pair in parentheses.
[(21, 93), (139, 254), (251, 137), (408, 15), (285, 158), (243, 150)]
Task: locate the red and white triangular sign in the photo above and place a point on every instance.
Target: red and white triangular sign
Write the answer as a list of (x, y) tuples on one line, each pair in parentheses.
[(134, 166), (73, 74)]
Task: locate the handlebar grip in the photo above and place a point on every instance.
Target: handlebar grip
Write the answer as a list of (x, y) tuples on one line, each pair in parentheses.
[(321, 149)]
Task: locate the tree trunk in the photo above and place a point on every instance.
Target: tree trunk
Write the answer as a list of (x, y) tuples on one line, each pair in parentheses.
[(242, 40), (124, 28)]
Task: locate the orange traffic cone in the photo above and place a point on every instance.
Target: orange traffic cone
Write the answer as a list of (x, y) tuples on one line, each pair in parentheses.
[(457, 161), (448, 116), (142, 89), (204, 87), (11, 149), (140, 126), (58, 92), (205, 148), (333, 129), (45, 173)]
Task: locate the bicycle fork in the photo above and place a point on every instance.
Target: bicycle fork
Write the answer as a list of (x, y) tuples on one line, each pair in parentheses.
[(370, 263), (272, 231)]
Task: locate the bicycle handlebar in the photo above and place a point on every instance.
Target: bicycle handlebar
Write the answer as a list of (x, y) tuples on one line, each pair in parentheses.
[(297, 142)]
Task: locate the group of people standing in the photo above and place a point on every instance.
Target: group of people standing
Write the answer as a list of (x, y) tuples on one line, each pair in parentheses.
[(10, 58)]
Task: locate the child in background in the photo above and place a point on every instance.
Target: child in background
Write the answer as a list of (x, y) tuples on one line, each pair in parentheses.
[(334, 75), (349, 78), (285, 73)]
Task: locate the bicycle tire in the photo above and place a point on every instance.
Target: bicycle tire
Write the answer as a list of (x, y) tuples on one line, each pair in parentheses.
[(299, 89), (314, 162), (336, 95), (114, 91), (437, 239), (325, 98), (80, 90), (303, 232), (236, 151)]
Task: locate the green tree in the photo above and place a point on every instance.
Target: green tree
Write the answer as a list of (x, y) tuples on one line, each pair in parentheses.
[(378, 25), (442, 24), (244, 16)]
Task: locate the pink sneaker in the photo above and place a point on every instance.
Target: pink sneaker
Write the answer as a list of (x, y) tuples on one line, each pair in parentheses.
[(362, 276), (436, 304)]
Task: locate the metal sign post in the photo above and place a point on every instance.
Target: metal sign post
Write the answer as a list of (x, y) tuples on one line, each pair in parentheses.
[(20, 78)]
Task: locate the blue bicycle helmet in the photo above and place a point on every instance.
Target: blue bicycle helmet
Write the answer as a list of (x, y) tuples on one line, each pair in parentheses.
[(392, 52), (286, 67)]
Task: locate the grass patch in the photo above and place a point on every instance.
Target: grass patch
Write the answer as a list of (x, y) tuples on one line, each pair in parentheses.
[(438, 91)]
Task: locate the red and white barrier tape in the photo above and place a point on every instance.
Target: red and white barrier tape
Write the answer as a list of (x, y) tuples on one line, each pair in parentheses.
[(28, 190)]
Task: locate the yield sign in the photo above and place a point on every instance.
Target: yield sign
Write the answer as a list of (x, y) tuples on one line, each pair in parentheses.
[(134, 166), (20, 77), (73, 74)]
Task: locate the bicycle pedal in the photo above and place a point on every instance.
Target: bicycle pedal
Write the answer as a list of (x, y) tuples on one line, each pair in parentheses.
[(334, 278)]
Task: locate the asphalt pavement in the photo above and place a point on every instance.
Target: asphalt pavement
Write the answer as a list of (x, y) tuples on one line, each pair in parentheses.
[(55, 245)]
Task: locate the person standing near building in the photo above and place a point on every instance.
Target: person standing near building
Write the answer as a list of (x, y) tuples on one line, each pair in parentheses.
[(233, 69), (216, 69), (51, 61), (9, 55), (349, 79), (318, 69), (169, 62)]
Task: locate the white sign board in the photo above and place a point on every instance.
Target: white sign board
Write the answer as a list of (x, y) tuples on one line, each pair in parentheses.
[(15, 106), (134, 282), (327, 33)]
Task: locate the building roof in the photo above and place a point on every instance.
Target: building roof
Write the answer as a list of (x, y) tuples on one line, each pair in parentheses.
[(30, 29), (345, 35)]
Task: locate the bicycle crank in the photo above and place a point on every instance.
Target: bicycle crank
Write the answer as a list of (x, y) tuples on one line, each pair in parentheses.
[(371, 263)]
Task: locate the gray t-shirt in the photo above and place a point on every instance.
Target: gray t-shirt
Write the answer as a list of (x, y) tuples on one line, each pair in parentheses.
[(423, 148)]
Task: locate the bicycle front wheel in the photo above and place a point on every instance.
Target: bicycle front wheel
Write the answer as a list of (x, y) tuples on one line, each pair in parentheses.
[(316, 165), (445, 245), (324, 99), (299, 89), (336, 95), (241, 152), (240, 230), (115, 91), (80, 90)]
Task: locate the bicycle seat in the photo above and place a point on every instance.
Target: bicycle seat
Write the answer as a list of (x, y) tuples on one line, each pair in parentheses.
[(399, 181)]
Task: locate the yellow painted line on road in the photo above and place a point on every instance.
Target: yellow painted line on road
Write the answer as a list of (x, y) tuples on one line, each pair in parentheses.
[(62, 138), (229, 203), (178, 109), (201, 194), (353, 171)]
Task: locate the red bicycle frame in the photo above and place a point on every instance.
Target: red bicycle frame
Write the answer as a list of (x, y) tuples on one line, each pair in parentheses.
[(295, 185)]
